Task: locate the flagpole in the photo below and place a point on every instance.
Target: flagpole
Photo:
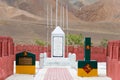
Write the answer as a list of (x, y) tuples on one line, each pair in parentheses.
[(67, 25), (47, 28), (63, 17), (56, 11), (51, 16)]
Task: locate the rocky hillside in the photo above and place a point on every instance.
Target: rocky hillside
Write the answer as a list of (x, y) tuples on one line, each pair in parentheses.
[(85, 10), (35, 7), (25, 20), (9, 12), (98, 10)]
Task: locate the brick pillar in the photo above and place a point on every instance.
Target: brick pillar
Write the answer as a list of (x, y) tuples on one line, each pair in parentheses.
[(3, 50), (113, 65), (9, 47), (0, 48)]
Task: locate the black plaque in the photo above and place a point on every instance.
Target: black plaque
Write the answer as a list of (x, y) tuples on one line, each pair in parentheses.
[(25, 61)]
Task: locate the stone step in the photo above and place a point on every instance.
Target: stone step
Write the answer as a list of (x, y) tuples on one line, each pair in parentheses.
[(57, 62)]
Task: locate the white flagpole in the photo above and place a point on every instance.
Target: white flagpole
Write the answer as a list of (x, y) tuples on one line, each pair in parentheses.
[(51, 16), (56, 11), (67, 25), (47, 28), (63, 17)]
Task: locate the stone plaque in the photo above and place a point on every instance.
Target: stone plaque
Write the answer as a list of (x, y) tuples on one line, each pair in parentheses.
[(58, 43), (58, 46), (25, 61)]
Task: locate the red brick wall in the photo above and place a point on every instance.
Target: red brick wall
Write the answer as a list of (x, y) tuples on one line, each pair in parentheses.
[(8, 51), (6, 57), (97, 53), (113, 60)]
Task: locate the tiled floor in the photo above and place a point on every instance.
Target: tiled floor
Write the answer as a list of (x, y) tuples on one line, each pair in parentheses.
[(58, 74)]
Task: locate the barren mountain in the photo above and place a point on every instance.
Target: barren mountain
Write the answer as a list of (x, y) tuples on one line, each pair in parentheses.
[(86, 10), (36, 8), (99, 10), (9, 12), (25, 20), (27, 32)]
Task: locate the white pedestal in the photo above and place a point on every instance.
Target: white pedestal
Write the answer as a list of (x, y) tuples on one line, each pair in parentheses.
[(57, 62)]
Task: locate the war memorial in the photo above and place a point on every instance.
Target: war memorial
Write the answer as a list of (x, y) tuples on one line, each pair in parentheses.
[(58, 60)]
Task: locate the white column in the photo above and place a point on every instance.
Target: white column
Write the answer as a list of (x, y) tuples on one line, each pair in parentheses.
[(56, 11), (67, 24), (63, 17), (47, 28), (51, 16)]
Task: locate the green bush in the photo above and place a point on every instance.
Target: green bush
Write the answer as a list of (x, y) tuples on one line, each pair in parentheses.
[(40, 42), (74, 39), (104, 43)]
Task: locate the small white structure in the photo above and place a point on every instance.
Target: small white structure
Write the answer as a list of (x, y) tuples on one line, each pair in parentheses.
[(72, 59), (41, 60), (58, 43)]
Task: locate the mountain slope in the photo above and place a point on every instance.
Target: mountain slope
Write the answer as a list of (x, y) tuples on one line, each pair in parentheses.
[(25, 20), (9, 12), (102, 10), (85, 10)]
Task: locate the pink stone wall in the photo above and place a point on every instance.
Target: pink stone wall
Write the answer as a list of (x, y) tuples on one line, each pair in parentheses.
[(8, 51), (113, 60), (6, 57), (97, 53)]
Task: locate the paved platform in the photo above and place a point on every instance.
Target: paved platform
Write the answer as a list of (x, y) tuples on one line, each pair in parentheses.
[(58, 74)]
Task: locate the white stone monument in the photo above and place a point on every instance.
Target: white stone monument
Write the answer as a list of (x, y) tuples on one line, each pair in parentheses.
[(58, 43)]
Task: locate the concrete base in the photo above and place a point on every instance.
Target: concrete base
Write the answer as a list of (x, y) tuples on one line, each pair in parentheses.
[(25, 69), (57, 62), (87, 68)]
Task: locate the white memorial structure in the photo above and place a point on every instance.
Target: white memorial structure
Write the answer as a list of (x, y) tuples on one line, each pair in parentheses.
[(58, 43), (57, 51), (57, 47)]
